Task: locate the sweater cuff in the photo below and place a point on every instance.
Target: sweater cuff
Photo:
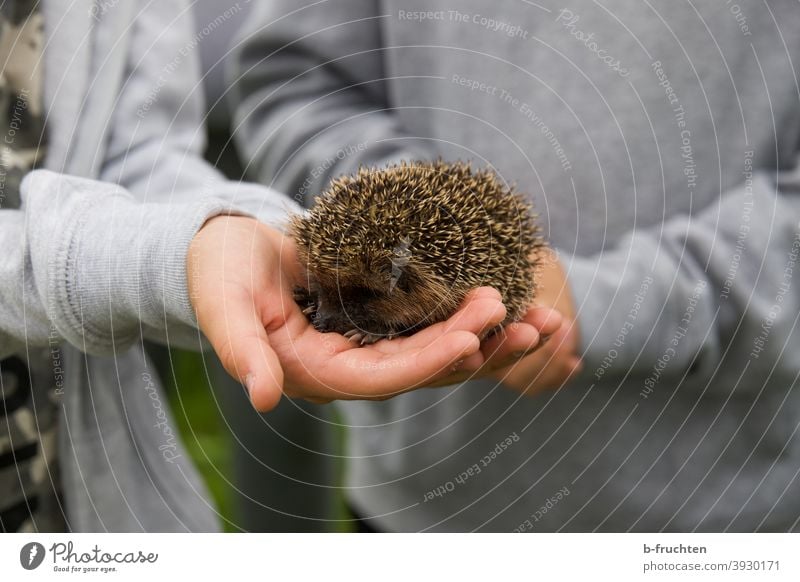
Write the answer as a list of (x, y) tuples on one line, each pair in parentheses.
[(267, 205), (170, 231), (107, 266)]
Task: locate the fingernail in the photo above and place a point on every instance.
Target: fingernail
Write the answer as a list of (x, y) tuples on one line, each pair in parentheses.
[(249, 384)]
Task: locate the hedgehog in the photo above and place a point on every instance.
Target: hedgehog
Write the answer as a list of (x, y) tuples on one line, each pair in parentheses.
[(387, 252)]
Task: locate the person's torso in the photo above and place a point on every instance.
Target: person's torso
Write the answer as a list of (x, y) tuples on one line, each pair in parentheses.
[(613, 117)]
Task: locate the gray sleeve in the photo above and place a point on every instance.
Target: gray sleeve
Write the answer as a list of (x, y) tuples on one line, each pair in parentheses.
[(155, 150), (700, 291), (105, 268), (87, 263), (155, 153), (22, 316), (309, 95), (101, 263)]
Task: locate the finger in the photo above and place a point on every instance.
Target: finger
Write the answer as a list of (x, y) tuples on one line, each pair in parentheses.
[(265, 383), (522, 338), (545, 319), (461, 371), (566, 341), (555, 381), (241, 342), (516, 340), (343, 370), (470, 363), (479, 313), (512, 343), (574, 367), (353, 375), (485, 292), (441, 365), (537, 366)]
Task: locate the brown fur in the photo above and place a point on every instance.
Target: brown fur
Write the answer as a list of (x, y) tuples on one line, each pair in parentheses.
[(390, 251)]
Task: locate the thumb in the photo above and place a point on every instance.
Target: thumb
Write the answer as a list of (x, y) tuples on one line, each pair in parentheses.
[(566, 341), (263, 376), (572, 334), (240, 340)]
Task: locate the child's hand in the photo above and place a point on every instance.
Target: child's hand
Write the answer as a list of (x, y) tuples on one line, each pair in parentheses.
[(241, 275), (555, 362), (537, 352)]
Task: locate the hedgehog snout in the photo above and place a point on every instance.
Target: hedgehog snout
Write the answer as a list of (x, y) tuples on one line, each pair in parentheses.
[(351, 314), (324, 321), (326, 317), (332, 314)]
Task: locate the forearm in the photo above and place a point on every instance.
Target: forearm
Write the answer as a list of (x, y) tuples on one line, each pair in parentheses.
[(684, 295), (106, 268)]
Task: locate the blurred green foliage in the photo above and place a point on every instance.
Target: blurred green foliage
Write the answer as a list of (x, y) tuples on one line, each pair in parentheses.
[(206, 437)]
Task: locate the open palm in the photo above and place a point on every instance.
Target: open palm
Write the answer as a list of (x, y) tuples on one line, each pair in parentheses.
[(241, 274)]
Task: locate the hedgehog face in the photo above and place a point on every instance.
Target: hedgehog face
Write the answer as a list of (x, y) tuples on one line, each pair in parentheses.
[(375, 294)]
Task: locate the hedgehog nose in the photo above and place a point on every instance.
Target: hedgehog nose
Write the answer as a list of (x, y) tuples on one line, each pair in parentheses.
[(329, 317), (323, 321)]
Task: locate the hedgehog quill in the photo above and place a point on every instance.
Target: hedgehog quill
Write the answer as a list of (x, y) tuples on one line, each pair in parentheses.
[(390, 251)]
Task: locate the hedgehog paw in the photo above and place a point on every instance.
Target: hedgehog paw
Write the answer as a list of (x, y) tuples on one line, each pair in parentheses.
[(354, 335), (305, 300), (370, 338)]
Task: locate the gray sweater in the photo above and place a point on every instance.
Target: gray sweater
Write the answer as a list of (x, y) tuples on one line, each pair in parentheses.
[(94, 260), (660, 144)]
